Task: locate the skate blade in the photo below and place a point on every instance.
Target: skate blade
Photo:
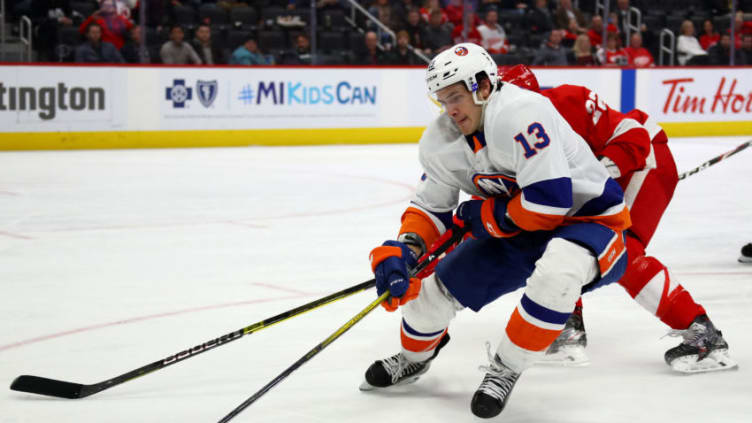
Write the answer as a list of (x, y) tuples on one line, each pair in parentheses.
[(567, 356), (716, 361), (745, 259), (365, 386)]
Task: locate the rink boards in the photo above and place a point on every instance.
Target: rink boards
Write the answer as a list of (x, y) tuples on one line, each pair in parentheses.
[(68, 107)]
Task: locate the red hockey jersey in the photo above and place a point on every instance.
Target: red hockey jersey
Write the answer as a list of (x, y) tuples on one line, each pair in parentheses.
[(609, 133)]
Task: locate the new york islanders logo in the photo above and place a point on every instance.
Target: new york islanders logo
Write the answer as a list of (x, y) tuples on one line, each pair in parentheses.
[(461, 51), (495, 184)]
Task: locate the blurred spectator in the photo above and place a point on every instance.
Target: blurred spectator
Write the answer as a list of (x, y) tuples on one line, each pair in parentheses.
[(114, 27), (415, 28), (638, 55), (595, 34), (301, 55), (720, 53), (383, 11), (177, 52), (249, 54), (539, 18), (571, 33), (371, 54), (132, 51), (551, 53), (455, 12), (436, 37), (46, 16), (622, 15), (583, 52), (746, 50), (400, 54), (740, 28), (202, 44), (565, 13), (472, 36), (226, 4), (322, 5), (428, 7), (687, 46), (492, 35), (709, 35), (94, 50), (613, 55)]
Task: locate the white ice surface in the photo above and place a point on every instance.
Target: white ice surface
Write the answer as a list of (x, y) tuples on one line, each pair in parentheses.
[(110, 260)]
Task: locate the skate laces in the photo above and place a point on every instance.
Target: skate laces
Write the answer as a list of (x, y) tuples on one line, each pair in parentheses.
[(398, 366), (696, 335), (499, 378)]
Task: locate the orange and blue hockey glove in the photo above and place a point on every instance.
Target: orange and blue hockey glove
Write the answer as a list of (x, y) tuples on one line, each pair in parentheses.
[(487, 218), (390, 262)]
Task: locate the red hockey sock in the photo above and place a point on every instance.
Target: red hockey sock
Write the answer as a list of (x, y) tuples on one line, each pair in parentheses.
[(649, 282)]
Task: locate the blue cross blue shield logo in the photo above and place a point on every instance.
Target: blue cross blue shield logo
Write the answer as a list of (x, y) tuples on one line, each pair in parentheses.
[(178, 93), (207, 92)]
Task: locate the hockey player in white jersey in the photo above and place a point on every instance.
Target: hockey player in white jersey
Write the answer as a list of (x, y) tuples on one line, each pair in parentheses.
[(551, 220)]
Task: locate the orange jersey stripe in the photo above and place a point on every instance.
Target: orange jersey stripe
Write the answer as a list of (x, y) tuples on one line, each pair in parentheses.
[(528, 336), (416, 221), (617, 222), (415, 345), (609, 257), (530, 220), (533, 221)]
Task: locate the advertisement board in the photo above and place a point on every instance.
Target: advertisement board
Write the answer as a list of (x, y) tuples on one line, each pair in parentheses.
[(695, 101), (123, 107)]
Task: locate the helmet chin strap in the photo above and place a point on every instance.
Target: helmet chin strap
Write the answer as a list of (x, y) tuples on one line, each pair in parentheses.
[(482, 104)]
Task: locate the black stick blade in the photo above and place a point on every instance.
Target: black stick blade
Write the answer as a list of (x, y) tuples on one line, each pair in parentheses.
[(44, 386)]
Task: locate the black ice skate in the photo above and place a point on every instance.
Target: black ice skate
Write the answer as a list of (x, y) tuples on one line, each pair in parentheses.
[(493, 393), (703, 349), (397, 370), (746, 256), (568, 349)]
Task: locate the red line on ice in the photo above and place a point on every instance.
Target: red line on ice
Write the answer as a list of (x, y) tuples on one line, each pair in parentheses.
[(142, 318)]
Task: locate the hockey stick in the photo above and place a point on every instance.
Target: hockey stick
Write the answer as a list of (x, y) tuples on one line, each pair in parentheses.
[(71, 390), (309, 355), (451, 237), (715, 160)]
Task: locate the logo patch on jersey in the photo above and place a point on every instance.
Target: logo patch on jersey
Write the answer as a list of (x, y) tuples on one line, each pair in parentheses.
[(461, 51), (495, 184)]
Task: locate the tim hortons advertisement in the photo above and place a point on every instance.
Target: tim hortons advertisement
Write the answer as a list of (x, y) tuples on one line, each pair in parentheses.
[(59, 98), (696, 95)]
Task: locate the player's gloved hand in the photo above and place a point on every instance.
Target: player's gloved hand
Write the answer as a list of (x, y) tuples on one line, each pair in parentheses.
[(390, 263), (486, 218)]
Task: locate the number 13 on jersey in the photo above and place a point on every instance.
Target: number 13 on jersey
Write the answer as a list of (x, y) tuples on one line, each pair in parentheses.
[(541, 139)]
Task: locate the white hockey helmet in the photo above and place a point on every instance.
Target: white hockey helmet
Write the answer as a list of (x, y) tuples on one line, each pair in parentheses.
[(461, 63)]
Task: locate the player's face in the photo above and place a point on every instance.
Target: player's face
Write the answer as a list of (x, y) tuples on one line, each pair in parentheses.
[(459, 105)]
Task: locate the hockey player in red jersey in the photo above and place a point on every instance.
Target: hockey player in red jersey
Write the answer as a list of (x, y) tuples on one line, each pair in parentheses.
[(634, 150)]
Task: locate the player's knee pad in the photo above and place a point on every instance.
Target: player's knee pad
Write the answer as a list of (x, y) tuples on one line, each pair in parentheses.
[(434, 308), (559, 275)]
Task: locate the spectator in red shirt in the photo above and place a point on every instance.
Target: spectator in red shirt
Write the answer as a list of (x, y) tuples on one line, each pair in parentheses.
[(638, 55), (709, 35), (428, 7), (614, 55), (740, 28), (596, 30), (115, 27)]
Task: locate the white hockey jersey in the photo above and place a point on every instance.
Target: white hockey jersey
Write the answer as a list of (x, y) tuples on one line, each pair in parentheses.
[(525, 151)]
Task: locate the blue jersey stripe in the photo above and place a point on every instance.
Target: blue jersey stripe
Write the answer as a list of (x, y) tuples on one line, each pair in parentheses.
[(542, 313), (414, 332), (612, 195), (551, 192)]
